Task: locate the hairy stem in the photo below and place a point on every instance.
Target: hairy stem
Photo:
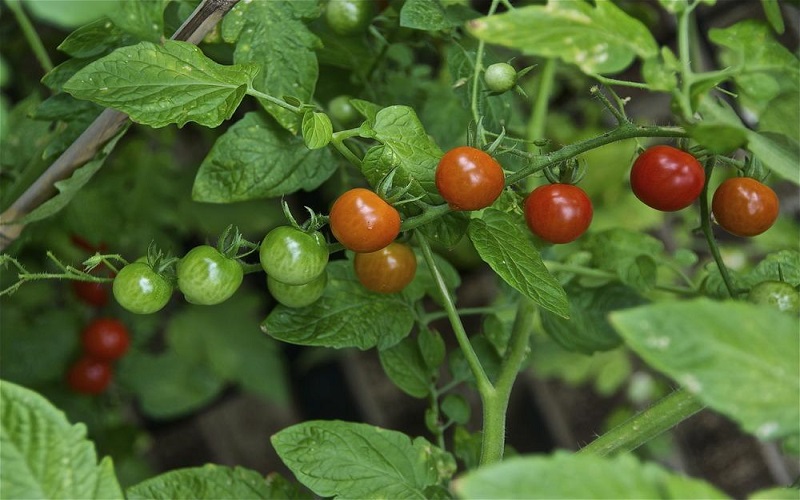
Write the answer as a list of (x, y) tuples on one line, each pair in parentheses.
[(639, 429)]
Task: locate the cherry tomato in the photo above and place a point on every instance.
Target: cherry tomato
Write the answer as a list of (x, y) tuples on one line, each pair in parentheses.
[(666, 178), (206, 277), (141, 290), (558, 213), (780, 295), (363, 222), (89, 376), (105, 339), (292, 256), (469, 179), (388, 270), (343, 111), (500, 77), (91, 293), (744, 206), (298, 295), (349, 17)]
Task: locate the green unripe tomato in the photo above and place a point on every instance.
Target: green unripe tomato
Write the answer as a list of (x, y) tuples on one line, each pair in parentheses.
[(292, 256), (141, 290), (349, 17), (342, 110), (500, 77), (298, 295), (206, 277), (778, 294)]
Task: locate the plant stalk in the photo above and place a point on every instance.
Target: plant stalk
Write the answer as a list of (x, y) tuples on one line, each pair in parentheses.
[(636, 431)]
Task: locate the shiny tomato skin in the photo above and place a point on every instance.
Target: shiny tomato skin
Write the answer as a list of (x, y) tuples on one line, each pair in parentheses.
[(298, 295), (292, 256), (363, 222), (206, 277), (666, 178), (89, 376), (558, 213), (387, 270), (469, 179), (105, 339), (91, 293), (744, 206), (141, 290)]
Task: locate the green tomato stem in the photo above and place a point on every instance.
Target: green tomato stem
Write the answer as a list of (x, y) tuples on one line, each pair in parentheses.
[(620, 83), (455, 320), (338, 143), (31, 35), (625, 131), (639, 429), (495, 399), (274, 100), (708, 232)]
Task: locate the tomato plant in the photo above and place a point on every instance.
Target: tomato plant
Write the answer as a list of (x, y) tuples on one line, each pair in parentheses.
[(469, 179), (363, 222), (414, 295), (500, 77), (389, 270), (141, 290), (105, 339), (744, 206), (89, 376), (297, 295), (292, 256), (349, 17), (558, 213), (666, 178)]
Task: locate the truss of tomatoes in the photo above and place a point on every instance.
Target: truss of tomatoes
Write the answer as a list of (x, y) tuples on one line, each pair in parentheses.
[(103, 341)]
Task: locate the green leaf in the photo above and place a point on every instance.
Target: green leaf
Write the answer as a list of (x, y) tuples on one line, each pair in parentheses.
[(778, 266), (772, 10), (467, 447), (776, 493), (71, 13), (566, 475), (404, 365), (71, 186), (224, 337), (712, 348), (601, 39), (43, 455), (347, 315), (587, 330), (627, 253), (211, 482), (145, 20), (780, 153), (95, 39), (505, 246), (406, 148), (272, 35), (255, 158), (456, 408), (432, 348), (317, 130), (431, 15), (169, 385), (350, 460), (158, 85)]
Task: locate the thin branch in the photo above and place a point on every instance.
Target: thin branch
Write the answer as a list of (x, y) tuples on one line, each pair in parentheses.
[(105, 126)]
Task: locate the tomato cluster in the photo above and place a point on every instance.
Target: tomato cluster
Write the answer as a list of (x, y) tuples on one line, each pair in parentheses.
[(103, 341), (295, 262)]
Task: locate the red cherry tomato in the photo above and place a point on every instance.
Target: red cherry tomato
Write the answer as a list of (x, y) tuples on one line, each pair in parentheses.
[(89, 376), (105, 339), (744, 206), (363, 222), (558, 213), (666, 178), (469, 179), (91, 293), (388, 270)]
